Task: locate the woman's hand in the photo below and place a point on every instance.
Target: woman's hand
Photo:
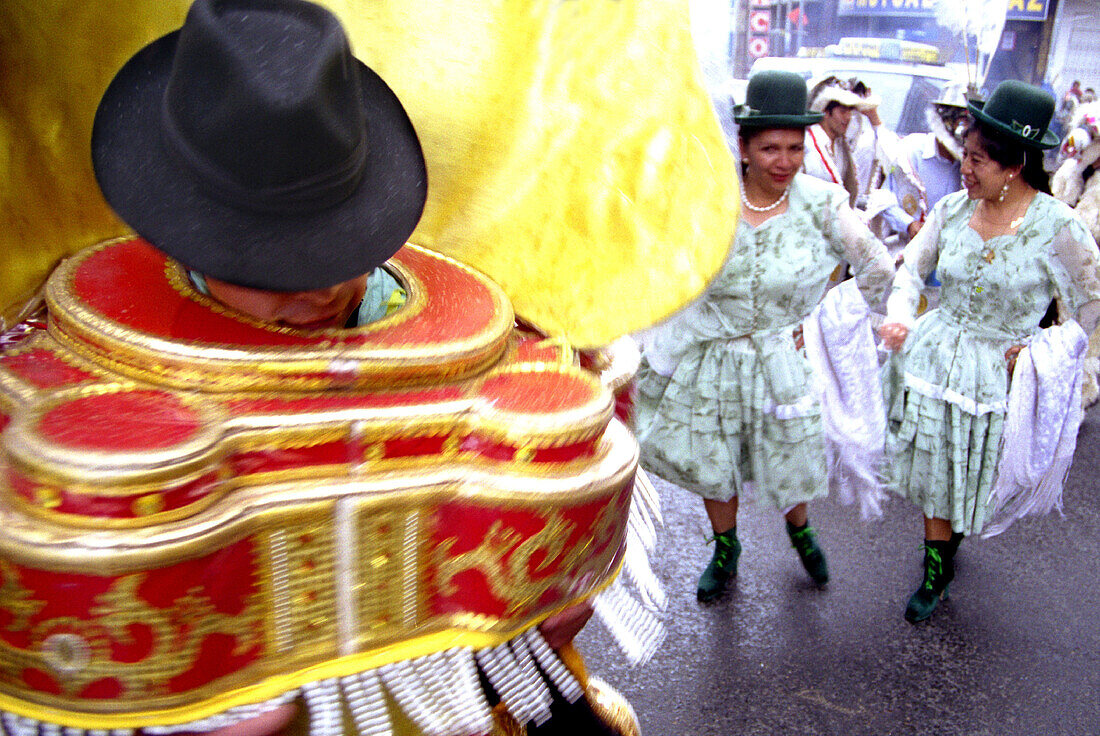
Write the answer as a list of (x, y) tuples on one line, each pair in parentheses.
[(893, 335), (1010, 358)]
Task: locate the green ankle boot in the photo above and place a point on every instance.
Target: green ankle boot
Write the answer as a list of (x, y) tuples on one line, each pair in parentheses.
[(813, 559), (953, 544), (722, 567), (939, 571)]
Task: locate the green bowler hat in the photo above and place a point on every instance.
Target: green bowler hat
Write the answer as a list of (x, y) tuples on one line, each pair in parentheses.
[(1021, 112), (775, 99)]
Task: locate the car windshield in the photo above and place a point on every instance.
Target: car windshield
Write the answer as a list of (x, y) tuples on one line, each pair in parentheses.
[(904, 96)]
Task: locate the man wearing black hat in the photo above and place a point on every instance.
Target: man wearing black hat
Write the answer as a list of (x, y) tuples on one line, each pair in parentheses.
[(254, 148), (267, 165)]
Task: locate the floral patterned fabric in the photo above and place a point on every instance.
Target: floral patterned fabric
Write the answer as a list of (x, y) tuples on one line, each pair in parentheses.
[(947, 387), (724, 397)]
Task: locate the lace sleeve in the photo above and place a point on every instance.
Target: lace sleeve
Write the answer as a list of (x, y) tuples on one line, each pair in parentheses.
[(871, 263), (1076, 266), (920, 258)]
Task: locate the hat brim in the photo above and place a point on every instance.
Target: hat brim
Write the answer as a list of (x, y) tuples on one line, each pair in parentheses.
[(868, 103), (279, 252), (777, 121), (1048, 139), (835, 94)]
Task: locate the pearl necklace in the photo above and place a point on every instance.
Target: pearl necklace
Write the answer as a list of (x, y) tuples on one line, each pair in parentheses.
[(753, 208)]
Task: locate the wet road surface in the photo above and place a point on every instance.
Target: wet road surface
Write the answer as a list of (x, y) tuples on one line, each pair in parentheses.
[(1014, 650)]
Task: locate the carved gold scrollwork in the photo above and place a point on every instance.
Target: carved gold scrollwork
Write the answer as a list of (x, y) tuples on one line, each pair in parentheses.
[(511, 564), (78, 651)]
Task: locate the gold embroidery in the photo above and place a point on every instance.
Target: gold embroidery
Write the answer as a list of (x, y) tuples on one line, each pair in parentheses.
[(17, 600), (505, 561), (78, 652)]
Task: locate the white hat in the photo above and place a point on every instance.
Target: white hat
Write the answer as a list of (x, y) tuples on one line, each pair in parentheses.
[(953, 94), (831, 89)]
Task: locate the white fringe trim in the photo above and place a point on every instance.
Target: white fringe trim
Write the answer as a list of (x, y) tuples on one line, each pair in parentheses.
[(633, 616), (1040, 433)]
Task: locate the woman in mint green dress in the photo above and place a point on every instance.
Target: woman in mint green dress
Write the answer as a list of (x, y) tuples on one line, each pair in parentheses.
[(725, 401), (1003, 248)]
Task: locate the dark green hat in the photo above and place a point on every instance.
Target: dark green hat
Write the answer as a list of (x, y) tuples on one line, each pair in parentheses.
[(775, 99), (1020, 112)]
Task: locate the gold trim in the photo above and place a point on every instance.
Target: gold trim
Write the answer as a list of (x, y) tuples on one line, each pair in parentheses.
[(248, 511), (144, 501), (78, 467), (275, 685), (22, 391), (227, 367)]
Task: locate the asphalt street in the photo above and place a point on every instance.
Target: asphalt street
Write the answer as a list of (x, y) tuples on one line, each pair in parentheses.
[(1015, 650)]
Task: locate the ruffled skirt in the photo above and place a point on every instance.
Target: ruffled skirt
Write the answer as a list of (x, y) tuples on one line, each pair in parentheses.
[(732, 418), (946, 397)]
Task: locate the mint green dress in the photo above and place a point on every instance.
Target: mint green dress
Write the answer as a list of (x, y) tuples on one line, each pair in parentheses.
[(947, 387), (724, 397)]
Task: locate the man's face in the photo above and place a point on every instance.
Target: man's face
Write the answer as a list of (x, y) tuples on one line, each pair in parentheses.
[(836, 120), (305, 310)]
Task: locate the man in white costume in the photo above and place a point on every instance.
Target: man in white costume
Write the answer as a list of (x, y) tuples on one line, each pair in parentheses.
[(851, 147)]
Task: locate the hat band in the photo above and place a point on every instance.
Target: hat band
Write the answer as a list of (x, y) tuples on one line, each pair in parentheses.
[(306, 195)]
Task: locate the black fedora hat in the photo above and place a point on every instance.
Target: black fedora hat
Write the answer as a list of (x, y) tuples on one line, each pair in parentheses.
[(1020, 112), (253, 147), (775, 99)]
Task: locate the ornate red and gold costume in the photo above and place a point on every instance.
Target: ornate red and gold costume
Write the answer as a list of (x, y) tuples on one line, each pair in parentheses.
[(204, 514)]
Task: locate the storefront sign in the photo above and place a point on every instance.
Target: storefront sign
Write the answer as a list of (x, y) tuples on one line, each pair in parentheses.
[(1017, 9)]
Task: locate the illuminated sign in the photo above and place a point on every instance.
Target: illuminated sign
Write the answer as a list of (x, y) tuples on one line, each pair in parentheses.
[(1017, 9), (886, 48), (1027, 9)]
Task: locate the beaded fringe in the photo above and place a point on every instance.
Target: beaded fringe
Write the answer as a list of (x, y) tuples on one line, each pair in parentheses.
[(441, 692)]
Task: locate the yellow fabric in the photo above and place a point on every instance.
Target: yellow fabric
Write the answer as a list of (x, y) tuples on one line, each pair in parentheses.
[(572, 152)]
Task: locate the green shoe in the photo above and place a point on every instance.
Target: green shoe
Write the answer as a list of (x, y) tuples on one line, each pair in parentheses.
[(722, 567), (813, 559), (939, 571)]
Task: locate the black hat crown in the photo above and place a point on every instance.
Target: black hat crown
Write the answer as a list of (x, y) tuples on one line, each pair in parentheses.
[(265, 109), (775, 98), (1020, 112)]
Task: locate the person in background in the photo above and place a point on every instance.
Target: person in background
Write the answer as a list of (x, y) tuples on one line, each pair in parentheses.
[(828, 153), (1003, 248), (725, 394), (1068, 103), (861, 155), (934, 158)]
